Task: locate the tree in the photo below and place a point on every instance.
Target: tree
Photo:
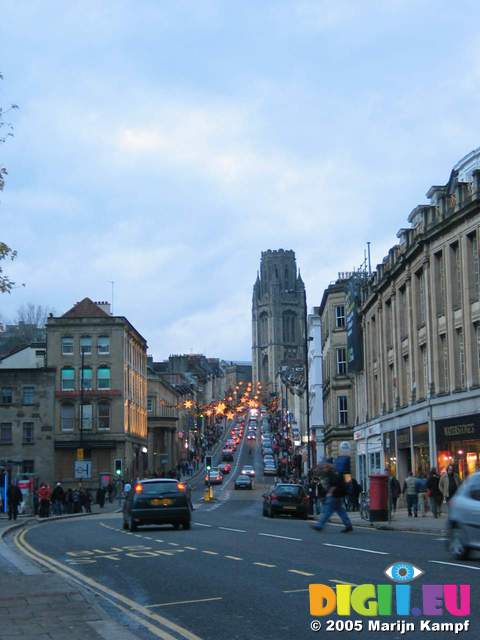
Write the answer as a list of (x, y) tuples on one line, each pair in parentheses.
[(6, 253), (32, 315)]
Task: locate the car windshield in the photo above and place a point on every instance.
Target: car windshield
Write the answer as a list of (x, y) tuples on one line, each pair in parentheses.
[(158, 489), (288, 489)]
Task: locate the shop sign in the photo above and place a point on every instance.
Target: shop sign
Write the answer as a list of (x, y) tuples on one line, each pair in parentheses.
[(403, 438), (374, 430), (461, 428), (359, 435)]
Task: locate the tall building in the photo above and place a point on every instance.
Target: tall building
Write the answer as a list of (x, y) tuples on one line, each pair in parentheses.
[(278, 312), (100, 394)]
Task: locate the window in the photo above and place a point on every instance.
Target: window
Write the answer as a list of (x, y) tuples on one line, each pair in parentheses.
[(263, 329), (5, 432), (150, 404), (456, 271), (28, 395), (402, 312), (28, 466), (342, 410), (289, 321), (340, 316), (28, 428), (341, 362), (67, 417), (68, 379), (7, 395), (67, 346), (103, 345), (103, 378), (474, 260), (424, 371), (86, 345), (104, 415), (439, 266), (87, 416), (86, 378), (461, 359), (421, 302)]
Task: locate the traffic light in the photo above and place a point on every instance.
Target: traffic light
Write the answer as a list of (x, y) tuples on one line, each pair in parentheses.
[(208, 462), (118, 468)]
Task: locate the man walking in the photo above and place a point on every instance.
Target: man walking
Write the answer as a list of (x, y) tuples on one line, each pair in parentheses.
[(58, 499), (14, 498), (410, 489), (334, 500)]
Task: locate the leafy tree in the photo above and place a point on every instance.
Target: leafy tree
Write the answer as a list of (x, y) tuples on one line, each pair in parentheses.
[(6, 253)]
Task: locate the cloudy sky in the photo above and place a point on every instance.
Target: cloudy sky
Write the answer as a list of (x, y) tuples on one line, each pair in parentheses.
[(164, 144)]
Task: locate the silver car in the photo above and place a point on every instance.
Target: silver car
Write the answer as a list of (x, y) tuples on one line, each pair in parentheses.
[(464, 518)]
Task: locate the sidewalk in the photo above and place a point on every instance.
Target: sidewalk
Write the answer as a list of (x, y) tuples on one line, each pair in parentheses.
[(108, 508), (402, 522), (39, 605)]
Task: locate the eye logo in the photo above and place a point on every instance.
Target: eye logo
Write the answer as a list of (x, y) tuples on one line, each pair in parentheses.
[(403, 572)]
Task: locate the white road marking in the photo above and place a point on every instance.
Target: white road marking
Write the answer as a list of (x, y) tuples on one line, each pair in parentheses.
[(440, 539), (456, 564), (343, 582), (341, 546), (301, 573), (169, 604), (166, 553), (174, 544), (264, 564), (211, 553), (233, 557), (158, 540), (272, 535), (191, 548), (295, 590), (200, 524), (229, 529)]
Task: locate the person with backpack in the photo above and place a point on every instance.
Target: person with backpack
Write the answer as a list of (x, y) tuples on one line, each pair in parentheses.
[(334, 502)]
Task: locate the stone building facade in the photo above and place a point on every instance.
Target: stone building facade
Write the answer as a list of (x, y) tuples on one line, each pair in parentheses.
[(26, 419), (418, 397), (278, 317), (338, 390), (107, 418)]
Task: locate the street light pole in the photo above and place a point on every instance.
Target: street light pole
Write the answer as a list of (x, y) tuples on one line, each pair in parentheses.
[(307, 383)]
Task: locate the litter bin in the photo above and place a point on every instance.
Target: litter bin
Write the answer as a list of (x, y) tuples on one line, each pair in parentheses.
[(378, 497)]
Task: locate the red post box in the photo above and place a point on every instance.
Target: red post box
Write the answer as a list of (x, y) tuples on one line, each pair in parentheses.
[(378, 497)]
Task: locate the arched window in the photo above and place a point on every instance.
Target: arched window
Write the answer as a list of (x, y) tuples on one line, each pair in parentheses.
[(287, 279), (103, 415), (68, 379), (263, 325), (87, 416), (103, 378), (86, 378), (67, 417), (289, 323)]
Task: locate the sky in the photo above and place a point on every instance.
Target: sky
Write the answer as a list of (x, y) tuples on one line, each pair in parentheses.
[(163, 145)]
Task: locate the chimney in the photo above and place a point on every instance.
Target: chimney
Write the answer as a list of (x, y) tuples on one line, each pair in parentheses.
[(104, 306)]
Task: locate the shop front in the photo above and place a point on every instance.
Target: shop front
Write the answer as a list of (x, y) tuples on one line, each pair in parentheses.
[(458, 443), (369, 453)]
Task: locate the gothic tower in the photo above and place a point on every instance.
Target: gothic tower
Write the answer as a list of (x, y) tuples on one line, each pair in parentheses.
[(278, 314)]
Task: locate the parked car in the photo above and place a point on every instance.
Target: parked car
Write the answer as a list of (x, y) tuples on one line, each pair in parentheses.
[(288, 499), (156, 501), (464, 518), (243, 482)]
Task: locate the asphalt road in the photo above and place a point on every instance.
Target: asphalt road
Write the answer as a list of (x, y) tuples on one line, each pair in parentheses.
[(236, 574)]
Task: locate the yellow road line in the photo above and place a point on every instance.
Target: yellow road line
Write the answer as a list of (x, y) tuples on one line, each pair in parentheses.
[(264, 564), (169, 604), (108, 593), (300, 573)]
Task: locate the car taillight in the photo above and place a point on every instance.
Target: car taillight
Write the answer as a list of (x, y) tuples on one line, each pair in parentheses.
[(273, 496), (180, 486)]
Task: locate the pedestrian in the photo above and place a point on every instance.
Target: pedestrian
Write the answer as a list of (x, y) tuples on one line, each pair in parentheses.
[(69, 501), (76, 501), (334, 500), (433, 492), (410, 490), (449, 483), (422, 493), (58, 499), (88, 501), (356, 491), (44, 494), (14, 498), (110, 490), (395, 491), (101, 497)]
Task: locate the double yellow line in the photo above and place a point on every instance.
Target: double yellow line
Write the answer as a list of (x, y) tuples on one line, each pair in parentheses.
[(158, 625)]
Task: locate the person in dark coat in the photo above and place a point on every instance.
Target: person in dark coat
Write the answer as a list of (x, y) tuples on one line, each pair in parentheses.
[(433, 492), (14, 498), (69, 501), (101, 497), (395, 491), (58, 499)]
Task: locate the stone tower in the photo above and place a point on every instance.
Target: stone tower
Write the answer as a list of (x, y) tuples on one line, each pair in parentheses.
[(278, 312)]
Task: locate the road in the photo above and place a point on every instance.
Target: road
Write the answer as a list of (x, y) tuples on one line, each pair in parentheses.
[(235, 574)]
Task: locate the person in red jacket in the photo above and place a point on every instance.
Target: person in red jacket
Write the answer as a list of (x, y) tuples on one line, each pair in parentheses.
[(44, 494)]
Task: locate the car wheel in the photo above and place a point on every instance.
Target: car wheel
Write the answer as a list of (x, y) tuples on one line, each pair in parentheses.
[(125, 525), (270, 513), (132, 526), (456, 544), (187, 524)]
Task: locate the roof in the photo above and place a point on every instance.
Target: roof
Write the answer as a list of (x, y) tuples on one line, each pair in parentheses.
[(86, 308)]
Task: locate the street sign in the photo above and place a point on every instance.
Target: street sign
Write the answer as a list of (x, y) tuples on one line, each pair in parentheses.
[(83, 469), (80, 454)]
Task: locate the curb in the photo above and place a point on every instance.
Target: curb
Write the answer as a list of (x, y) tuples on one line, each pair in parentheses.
[(31, 519)]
